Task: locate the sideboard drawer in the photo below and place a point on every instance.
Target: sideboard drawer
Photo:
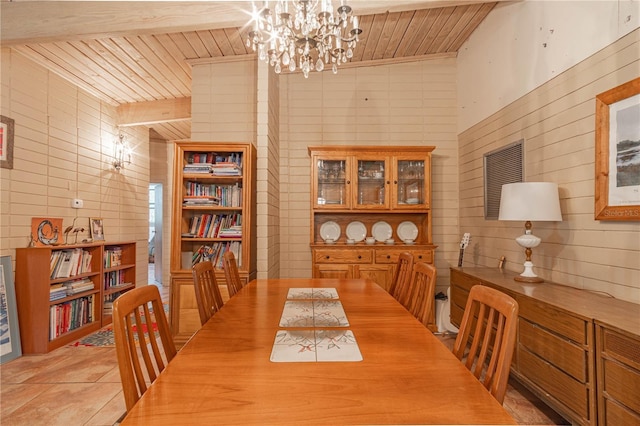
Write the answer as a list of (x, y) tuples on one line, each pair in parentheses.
[(342, 256), (554, 319), (565, 355), (618, 363), (555, 383)]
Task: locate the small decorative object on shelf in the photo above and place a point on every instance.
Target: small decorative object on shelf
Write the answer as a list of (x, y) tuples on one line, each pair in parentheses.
[(47, 231), (97, 228)]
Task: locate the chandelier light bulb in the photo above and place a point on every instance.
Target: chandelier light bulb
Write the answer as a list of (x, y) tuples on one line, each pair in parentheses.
[(296, 32)]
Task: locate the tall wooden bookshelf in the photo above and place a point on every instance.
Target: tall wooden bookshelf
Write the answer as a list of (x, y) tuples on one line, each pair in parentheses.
[(214, 198), (60, 291)]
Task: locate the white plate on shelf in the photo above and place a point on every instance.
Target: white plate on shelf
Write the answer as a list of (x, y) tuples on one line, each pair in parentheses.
[(330, 231), (356, 231), (407, 231), (381, 231)]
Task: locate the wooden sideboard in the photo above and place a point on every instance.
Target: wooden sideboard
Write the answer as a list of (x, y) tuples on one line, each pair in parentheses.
[(578, 351)]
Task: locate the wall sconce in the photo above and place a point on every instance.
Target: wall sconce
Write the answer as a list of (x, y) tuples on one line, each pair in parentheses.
[(527, 201), (121, 153)]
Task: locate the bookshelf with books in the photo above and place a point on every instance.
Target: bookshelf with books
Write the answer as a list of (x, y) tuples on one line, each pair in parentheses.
[(118, 274), (63, 303), (213, 212)]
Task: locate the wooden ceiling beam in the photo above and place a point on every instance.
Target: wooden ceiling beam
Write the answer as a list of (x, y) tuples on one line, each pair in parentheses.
[(162, 111)]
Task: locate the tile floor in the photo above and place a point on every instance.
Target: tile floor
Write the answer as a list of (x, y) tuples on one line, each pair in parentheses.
[(81, 386)]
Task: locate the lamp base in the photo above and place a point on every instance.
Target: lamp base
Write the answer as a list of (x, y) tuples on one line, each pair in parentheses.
[(522, 279), (528, 276)]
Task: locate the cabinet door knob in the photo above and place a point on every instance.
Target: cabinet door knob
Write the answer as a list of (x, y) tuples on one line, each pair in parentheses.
[(388, 257), (420, 256), (395, 182), (388, 182), (348, 182), (359, 256), (326, 257)]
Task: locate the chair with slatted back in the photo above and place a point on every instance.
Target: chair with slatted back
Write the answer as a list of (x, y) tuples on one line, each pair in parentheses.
[(487, 337), (421, 298), (231, 274), (140, 362), (401, 277), (208, 295)]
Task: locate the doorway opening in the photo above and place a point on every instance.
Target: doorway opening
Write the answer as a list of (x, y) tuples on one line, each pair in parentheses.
[(155, 234)]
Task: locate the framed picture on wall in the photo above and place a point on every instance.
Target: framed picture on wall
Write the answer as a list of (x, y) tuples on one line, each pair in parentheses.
[(6, 142), (617, 177), (9, 330), (97, 228), (46, 231)]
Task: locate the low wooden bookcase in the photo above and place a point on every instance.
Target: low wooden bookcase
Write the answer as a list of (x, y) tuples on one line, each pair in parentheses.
[(102, 271), (577, 350)]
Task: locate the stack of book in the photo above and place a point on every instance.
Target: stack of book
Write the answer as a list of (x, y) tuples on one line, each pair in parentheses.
[(78, 286), (226, 169), (201, 201), (234, 231), (197, 168), (57, 291)]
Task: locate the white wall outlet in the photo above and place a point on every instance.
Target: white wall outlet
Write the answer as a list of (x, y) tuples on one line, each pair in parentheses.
[(77, 203)]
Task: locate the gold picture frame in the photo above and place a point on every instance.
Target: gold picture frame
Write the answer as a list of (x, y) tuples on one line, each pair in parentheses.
[(617, 163)]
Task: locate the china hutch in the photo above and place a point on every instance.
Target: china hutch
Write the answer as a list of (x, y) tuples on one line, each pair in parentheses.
[(213, 211), (368, 205)]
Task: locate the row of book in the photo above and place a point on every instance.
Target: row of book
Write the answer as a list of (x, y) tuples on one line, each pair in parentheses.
[(209, 225), (215, 252), (68, 316), (223, 195), (68, 288), (68, 263), (115, 279), (213, 158), (112, 256)]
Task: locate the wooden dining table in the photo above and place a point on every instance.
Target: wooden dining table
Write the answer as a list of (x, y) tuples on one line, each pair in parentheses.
[(225, 373)]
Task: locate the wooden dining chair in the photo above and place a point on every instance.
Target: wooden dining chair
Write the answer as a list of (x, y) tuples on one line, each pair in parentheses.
[(421, 297), (402, 277), (487, 337), (141, 354), (208, 295), (231, 274)]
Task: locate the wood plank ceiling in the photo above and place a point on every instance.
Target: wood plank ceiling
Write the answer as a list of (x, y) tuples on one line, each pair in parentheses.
[(154, 66)]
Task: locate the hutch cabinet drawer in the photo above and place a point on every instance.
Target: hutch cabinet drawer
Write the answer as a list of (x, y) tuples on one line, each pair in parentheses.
[(556, 384), (561, 353), (554, 319), (342, 256), (391, 256)]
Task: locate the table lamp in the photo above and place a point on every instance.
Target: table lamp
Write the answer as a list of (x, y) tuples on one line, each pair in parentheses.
[(529, 201)]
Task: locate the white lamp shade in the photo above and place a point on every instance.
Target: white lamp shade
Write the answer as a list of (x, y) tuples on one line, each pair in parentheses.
[(533, 201)]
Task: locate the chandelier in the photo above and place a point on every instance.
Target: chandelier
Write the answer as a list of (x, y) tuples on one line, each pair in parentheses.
[(295, 36)]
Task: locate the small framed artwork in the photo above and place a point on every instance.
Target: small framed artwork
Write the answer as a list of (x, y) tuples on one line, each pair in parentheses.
[(617, 163), (46, 231), (6, 142), (97, 228), (9, 328)]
